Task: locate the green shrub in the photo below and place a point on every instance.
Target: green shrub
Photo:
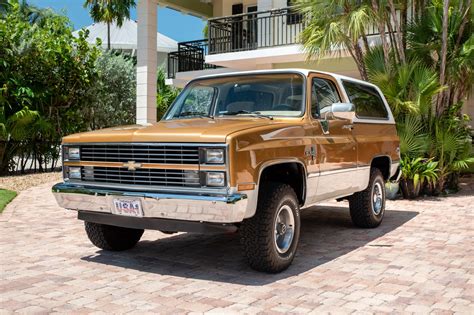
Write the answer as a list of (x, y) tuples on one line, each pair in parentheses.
[(45, 77), (112, 99)]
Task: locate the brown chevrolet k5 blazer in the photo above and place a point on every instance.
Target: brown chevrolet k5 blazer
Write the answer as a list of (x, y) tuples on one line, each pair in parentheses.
[(243, 151)]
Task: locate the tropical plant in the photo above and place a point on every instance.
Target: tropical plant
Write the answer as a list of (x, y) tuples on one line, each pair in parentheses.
[(409, 88), (451, 146), (414, 137), (165, 95), (13, 129), (443, 39), (337, 26), (4, 7), (45, 76), (109, 11), (415, 172)]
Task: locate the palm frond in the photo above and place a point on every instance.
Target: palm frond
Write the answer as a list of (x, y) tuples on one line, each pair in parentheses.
[(413, 136)]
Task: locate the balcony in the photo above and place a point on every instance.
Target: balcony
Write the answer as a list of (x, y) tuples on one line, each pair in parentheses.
[(250, 31), (189, 57), (237, 33), (257, 40)]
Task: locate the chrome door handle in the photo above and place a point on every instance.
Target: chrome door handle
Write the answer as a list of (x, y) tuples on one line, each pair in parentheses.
[(350, 127)]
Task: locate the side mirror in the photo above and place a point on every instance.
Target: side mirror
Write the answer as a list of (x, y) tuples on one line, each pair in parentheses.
[(342, 107), (343, 110)]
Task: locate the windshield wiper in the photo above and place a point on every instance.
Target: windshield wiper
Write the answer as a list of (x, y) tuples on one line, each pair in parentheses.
[(246, 112), (193, 114)]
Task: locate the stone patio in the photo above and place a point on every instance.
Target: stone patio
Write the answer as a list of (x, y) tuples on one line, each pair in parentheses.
[(421, 259)]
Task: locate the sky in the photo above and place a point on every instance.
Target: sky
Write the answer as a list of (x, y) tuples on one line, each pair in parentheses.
[(178, 26)]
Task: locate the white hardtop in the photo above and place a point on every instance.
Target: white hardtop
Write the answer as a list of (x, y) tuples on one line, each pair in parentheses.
[(304, 72)]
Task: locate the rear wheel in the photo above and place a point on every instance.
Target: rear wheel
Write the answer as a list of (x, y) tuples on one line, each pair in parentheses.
[(111, 237), (270, 238), (367, 207)]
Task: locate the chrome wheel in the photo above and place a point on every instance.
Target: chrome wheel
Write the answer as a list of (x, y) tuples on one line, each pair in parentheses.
[(284, 229), (377, 198)]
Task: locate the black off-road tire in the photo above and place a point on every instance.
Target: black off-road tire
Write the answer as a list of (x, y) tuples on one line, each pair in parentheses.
[(361, 204), (258, 232), (112, 238)]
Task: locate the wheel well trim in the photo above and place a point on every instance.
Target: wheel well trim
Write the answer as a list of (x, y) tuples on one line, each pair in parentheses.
[(285, 161)]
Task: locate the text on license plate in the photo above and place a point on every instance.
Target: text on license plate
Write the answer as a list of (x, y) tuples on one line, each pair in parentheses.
[(128, 207)]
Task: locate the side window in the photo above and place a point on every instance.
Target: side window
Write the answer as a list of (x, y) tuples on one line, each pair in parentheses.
[(323, 95), (367, 101)]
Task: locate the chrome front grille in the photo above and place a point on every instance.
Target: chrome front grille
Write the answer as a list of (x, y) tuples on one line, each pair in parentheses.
[(143, 176), (141, 153)]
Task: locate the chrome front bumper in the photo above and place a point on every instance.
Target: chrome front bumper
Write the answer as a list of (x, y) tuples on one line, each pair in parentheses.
[(186, 207)]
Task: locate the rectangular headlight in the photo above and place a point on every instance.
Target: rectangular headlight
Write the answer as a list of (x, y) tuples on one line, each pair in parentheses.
[(74, 172), (216, 179), (215, 156), (72, 153)]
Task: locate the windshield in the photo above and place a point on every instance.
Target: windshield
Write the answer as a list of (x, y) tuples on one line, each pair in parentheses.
[(262, 95)]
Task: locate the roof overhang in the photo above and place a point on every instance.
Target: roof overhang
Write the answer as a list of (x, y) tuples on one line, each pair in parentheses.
[(199, 8)]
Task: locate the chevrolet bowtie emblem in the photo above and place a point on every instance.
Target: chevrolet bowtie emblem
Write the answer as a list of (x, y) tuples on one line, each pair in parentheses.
[(132, 165)]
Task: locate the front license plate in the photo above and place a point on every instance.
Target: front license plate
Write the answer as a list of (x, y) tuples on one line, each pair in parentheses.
[(128, 207)]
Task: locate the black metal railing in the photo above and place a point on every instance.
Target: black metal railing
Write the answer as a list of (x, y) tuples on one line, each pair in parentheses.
[(255, 30), (189, 57), (247, 31)]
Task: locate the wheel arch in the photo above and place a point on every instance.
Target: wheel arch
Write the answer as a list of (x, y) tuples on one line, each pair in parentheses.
[(383, 163), (292, 166)]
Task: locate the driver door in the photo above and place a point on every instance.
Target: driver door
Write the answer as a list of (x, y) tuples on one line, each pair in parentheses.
[(337, 149)]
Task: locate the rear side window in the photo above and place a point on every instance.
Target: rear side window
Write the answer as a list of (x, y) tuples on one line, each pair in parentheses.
[(367, 101)]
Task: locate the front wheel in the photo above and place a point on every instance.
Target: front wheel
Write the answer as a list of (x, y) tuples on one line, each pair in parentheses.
[(270, 238), (367, 207), (111, 237)]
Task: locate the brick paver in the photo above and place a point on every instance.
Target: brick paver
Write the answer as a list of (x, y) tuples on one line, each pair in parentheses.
[(419, 260)]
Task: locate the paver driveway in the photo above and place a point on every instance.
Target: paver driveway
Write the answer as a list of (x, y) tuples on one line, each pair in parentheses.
[(420, 259)]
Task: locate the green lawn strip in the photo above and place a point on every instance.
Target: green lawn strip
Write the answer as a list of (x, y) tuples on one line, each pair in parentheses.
[(5, 197)]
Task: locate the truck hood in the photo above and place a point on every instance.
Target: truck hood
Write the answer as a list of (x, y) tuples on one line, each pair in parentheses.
[(204, 130)]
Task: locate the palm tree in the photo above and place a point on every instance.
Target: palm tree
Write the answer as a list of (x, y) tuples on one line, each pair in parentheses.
[(109, 11), (409, 88), (30, 13), (443, 55), (443, 39), (335, 26)]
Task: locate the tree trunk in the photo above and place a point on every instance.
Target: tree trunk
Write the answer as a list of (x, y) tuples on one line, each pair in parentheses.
[(392, 40), (398, 36), (403, 22), (381, 27), (359, 57), (465, 20), (108, 36), (443, 57)]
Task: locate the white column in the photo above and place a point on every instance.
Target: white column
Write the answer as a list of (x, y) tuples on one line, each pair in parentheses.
[(146, 61)]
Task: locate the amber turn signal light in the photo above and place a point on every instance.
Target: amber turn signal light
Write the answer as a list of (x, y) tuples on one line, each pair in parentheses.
[(241, 187)]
